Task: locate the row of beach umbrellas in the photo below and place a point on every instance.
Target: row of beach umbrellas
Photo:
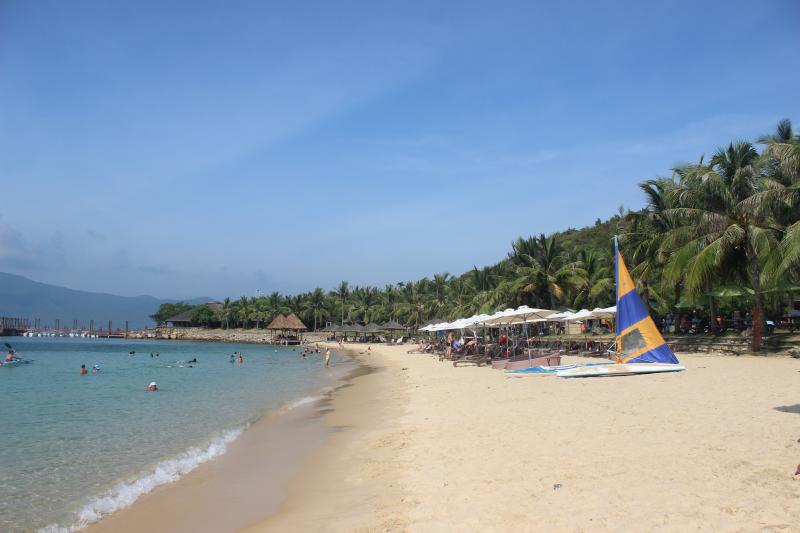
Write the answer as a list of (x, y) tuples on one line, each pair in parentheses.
[(521, 315)]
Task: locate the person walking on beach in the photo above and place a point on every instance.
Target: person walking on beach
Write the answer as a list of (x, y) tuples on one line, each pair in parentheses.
[(328, 357)]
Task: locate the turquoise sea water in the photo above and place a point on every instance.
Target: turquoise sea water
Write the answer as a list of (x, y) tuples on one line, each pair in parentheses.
[(73, 448)]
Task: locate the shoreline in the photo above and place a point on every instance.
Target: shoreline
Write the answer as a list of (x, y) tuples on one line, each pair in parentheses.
[(353, 482), (247, 480), (417, 445)]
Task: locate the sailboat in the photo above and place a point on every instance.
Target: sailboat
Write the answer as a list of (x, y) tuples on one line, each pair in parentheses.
[(640, 348)]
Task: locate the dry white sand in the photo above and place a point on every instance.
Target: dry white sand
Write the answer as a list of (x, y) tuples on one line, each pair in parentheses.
[(429, 447)]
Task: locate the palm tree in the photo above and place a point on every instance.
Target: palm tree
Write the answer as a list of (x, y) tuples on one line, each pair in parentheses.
[(243, 309), (542, 269), (225, 312), (597, 284), (414, 308), (782, 196), (315, 303), (644, 234), (440, 291), (343, 291), (390, 300), (720, 227)]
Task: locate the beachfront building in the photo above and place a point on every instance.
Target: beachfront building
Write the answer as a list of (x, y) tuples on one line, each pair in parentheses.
[(289, 328)]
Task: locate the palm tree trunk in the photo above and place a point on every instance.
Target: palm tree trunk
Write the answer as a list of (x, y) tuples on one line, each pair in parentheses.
[(758, 310)]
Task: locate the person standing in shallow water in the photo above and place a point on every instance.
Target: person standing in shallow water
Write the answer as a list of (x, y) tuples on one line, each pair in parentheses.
[(328, 357), (83, 370)]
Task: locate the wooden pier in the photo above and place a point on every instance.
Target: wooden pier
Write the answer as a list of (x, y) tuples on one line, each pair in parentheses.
[(13, 326)]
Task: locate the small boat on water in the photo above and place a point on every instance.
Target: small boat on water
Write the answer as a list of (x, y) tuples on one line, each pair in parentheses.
[(640, 348), (15, 362)]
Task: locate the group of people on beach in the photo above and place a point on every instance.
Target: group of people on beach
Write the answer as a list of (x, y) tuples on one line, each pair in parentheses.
[(308, 351)]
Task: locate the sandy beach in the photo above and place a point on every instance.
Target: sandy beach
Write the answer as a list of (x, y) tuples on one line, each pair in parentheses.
[(417, 445), (429, 447)]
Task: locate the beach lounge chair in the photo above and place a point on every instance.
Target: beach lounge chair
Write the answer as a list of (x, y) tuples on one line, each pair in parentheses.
[(425, 347), (473, 354)]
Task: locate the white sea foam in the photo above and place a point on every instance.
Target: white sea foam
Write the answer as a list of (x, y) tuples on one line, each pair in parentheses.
[(305, 400), (124, 494)]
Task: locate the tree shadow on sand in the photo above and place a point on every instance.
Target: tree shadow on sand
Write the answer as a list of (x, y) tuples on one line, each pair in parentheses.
[(789, 408)]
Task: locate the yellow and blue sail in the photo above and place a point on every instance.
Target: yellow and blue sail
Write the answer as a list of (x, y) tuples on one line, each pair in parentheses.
[(638, 339)]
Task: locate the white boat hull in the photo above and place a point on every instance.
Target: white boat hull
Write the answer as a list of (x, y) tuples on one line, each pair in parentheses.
[(624, 369)]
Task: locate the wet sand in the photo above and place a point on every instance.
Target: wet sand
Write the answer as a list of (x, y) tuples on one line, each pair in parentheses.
[(245, 484), (352, 483)]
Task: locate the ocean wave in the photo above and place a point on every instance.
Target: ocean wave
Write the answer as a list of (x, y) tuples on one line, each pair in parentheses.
[(299, 403), (124, 494)]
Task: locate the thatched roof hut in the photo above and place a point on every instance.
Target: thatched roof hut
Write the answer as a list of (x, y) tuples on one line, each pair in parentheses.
[(292, 322), (393, 325), (279, 322)]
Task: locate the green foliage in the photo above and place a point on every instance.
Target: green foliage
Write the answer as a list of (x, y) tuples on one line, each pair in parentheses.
[(202, 315), (733, 221), (166, 311)]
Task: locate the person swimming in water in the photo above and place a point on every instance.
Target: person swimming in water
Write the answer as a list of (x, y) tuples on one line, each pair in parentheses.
[(193, 360), (240, 359), (232, 359), (95, 368), (153, 387), (83, 370)]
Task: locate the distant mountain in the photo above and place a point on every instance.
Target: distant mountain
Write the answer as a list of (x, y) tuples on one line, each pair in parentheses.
[(21, 297)]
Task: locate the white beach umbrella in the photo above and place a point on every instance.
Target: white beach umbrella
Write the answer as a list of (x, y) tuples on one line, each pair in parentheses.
[(500, 318), (521, 315), (606, 312), (475, 320), (517, 321), (583, 314)]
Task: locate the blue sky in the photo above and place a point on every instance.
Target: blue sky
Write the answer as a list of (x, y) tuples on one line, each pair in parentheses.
[(219, 148)]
